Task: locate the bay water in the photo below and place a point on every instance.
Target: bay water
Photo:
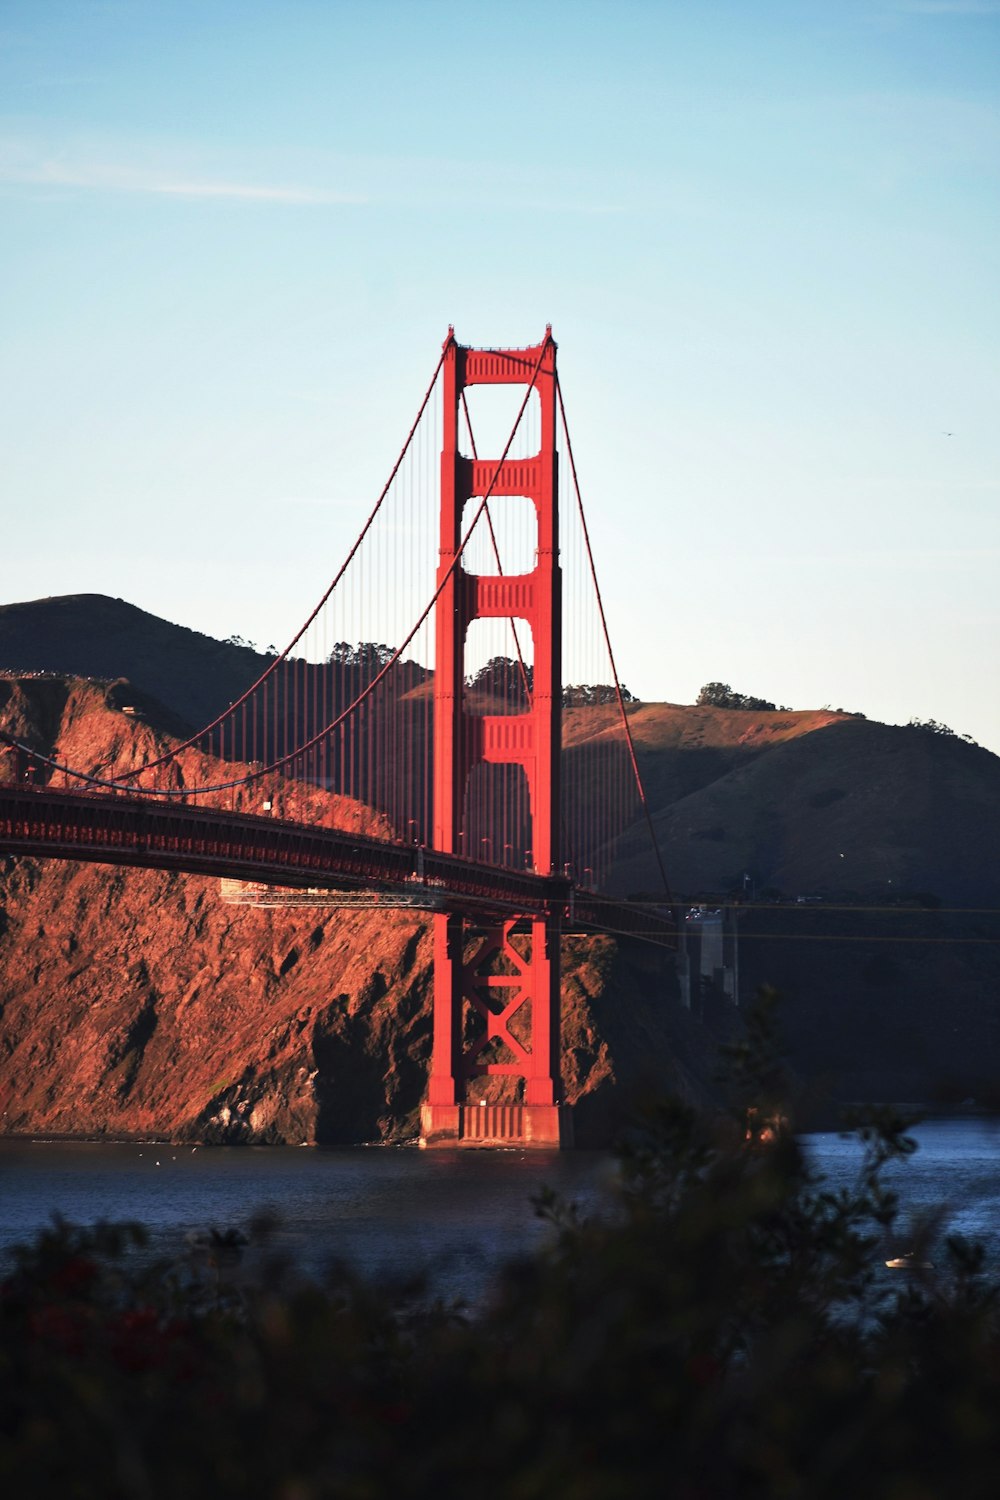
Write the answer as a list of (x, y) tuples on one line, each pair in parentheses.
[(394, 1212)]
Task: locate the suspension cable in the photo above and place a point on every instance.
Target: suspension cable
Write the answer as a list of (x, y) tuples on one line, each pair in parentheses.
[(391, 662), (276, 662), (275, 765), (607, 641)]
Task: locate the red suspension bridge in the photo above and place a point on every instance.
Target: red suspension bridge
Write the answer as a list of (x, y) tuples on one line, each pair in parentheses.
[(446, 730)]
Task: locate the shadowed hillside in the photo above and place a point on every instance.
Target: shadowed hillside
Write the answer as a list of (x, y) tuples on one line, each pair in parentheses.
[(91, 635), (816, 804), (195, 678)]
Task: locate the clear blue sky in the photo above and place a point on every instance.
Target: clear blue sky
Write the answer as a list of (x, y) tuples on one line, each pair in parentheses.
[(232, 236)]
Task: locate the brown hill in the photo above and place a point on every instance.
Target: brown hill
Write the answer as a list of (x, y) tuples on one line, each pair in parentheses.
[(864, 858), (91, 635), (682, 748), (814, 803)]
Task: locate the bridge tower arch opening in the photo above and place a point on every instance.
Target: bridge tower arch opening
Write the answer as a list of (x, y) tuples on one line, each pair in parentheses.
[(497, 998)]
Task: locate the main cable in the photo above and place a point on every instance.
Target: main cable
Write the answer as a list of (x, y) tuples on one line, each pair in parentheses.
[(117, 783), (283, 656)]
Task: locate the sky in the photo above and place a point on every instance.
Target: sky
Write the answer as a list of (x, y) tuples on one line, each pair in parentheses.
[(233, 236)]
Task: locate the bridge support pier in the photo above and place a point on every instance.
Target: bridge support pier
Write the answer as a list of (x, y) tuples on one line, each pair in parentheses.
[(496, 1015), (545, 1126)]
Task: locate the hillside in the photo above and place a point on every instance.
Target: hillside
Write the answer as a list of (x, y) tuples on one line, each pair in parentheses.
[(890, 970), (91, 635), (815, 803), (810, 802)]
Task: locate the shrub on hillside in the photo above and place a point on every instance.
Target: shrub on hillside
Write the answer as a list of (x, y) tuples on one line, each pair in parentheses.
[(721, 695)]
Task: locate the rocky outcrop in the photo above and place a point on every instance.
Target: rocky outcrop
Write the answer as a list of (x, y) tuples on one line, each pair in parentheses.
[(138, 1002)]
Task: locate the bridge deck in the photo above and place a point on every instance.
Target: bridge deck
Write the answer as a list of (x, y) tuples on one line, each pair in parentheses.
[(135, 831)]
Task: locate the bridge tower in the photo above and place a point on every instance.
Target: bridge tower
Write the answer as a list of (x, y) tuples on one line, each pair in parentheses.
[(497, 989)]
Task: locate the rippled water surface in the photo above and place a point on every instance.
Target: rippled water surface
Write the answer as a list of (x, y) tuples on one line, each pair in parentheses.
[(388, 1212), (391, 1212), (955, 1169)]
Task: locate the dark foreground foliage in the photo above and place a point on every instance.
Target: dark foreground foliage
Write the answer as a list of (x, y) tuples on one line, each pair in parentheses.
[(728, 1333)]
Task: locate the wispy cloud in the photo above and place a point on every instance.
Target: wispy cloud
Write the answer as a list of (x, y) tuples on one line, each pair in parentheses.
[(28, 165), (183, 171)]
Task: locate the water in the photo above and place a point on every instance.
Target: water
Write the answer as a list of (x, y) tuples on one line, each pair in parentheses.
[(955, 1172), (391, 1213)]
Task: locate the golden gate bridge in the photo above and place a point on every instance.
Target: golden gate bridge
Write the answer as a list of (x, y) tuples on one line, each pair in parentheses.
[(454, 697)]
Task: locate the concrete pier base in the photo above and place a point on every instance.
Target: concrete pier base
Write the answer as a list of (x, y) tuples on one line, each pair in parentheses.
[(531, 1125)]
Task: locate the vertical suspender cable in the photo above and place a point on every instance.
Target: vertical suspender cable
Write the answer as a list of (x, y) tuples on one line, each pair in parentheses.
[(607, 642)]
